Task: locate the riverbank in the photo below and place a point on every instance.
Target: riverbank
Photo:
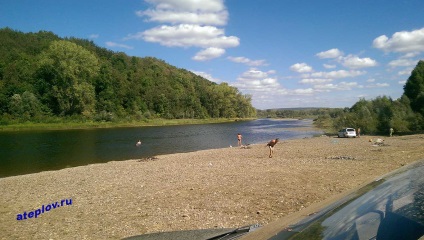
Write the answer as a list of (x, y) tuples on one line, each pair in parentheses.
[(217, 188), (93, 124)]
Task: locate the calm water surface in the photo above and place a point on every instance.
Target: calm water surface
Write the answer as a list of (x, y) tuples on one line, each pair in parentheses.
[(36, 151)]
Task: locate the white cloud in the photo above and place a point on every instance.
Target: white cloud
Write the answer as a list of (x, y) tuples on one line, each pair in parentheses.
[(188, 23), (254, 74), (352, 61), (406, 72), (328, 86), (211, 12), (301, 68), (189, 5), (256, 82), (403, 63), (404, 42), (339, 86), (332, 53), (208, 54), (247, 61), (315, 80), (186, 35), (175, 17), (411, 55), (305, 91), (335, 74), (328, 66), (207, 76), (118, 45), (378, 85), (266, 89), (270, 82)]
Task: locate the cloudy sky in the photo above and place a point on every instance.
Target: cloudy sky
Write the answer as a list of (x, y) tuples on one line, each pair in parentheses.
[(284, 53)]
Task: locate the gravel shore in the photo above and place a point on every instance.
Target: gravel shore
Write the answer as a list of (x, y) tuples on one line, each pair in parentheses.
[(219, 188)]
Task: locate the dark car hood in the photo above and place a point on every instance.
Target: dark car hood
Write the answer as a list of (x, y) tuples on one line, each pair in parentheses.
[(211, 234)]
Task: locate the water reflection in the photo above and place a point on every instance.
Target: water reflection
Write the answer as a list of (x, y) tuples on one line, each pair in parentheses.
[(35, 151)]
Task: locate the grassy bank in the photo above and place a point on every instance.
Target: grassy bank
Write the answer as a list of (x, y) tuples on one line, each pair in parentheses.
[(93, 124)]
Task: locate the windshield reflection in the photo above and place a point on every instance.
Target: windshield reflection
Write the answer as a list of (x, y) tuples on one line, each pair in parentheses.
[(394, 209)]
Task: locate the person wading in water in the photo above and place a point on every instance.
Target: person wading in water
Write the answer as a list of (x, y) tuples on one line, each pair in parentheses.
[(271, 145)]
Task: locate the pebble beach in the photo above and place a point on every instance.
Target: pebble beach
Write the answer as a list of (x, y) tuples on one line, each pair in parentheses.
[(217, 188)]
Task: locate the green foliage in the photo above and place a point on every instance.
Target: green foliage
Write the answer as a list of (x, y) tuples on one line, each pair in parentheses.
[(297, 112), (414, 88), (68, 70), (372, 116), (382, 113), (377, 116), (74, 78), (26, 106)]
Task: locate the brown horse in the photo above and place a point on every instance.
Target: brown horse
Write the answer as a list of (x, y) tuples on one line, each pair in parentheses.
[(271, 145)]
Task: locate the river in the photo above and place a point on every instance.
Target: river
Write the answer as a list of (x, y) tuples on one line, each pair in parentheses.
[(24, 152)]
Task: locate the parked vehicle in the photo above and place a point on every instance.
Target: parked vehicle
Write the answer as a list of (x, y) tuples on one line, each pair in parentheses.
[(347, 132), (391, 207)]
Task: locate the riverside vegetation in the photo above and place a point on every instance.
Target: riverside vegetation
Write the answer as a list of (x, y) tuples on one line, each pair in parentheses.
[(52, 82), (375, 116), (48, 79)]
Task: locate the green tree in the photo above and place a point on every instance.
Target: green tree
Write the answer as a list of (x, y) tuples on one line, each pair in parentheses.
[(414, 88), (365, 116), (383, 108), (66, 71), (75, 77), (16, 106), (405, 119), (26, 106)]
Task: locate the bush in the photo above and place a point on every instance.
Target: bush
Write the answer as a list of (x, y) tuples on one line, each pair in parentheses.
[(104, 116)]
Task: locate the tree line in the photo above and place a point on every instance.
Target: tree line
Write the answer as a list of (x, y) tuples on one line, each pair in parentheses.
[(375, 116), (43, 76), (299, 113)]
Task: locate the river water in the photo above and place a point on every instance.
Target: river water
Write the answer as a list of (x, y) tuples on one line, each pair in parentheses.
[(35, 151)]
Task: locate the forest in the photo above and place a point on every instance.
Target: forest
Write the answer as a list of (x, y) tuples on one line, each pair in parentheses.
[(48, 79), (375, 116), (45, 78)]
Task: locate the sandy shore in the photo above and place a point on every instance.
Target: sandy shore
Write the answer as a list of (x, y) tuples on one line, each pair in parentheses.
[(207, 189)]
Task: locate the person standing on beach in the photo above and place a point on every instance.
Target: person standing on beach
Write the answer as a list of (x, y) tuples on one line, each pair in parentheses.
[(271, 145), (358, 132), (239, 137), (391, 132)]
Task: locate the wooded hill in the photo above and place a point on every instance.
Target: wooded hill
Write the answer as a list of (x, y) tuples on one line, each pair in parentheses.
[(44, 76)]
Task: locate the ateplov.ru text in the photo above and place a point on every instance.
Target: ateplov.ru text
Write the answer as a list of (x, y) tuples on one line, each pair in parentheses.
[(43, 209)]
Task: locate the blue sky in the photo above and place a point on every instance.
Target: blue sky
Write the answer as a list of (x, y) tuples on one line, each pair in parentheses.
[(284, 53)]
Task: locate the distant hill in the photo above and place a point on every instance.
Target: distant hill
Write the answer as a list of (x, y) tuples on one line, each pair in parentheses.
[(44, 76)]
